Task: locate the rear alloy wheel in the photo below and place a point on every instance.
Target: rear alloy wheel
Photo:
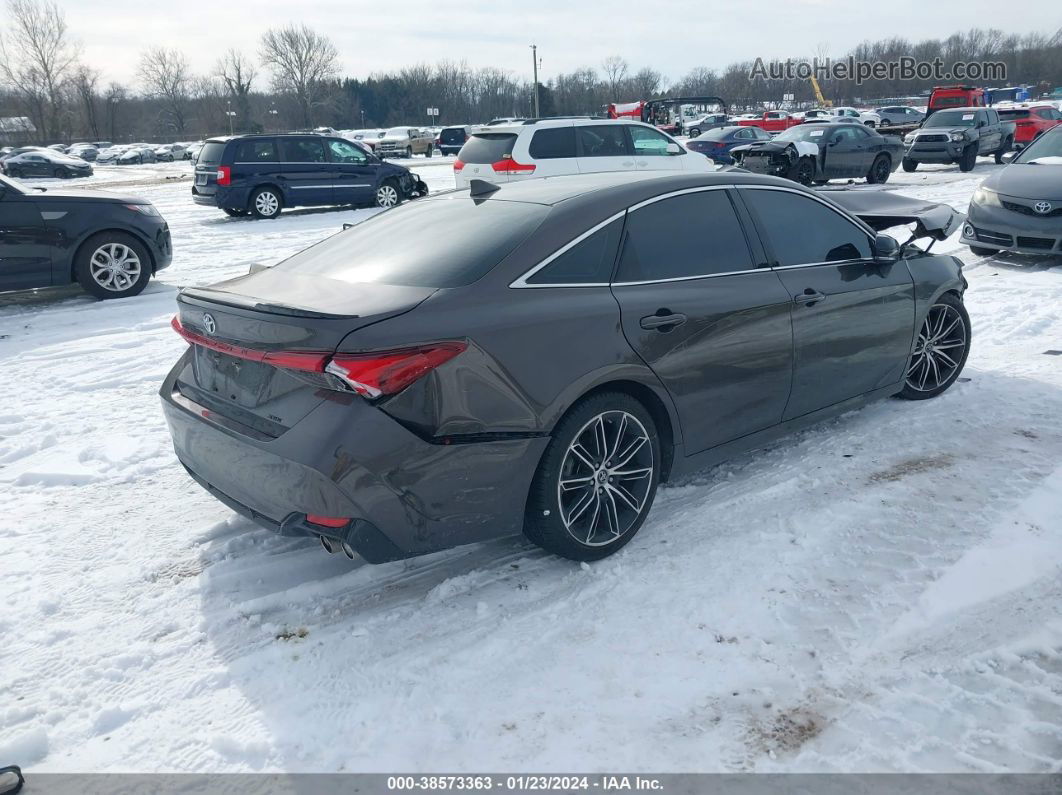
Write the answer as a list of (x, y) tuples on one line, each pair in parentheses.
[(113, 265), (880, 170), (1002, 151), (940, 350), (387, 194), (695, 132), (265, 203), (597, 479), (61, 173)]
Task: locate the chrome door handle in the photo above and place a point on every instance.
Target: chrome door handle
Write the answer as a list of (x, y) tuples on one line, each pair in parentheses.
[(662, 322), (809, 296)]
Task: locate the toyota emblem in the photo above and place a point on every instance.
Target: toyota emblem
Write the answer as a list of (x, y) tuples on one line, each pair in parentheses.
[(208, 323), (1042, 207)]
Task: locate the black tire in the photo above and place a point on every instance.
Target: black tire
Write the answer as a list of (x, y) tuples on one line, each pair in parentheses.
[(234, 213), (61, 173), (909, 165), (822, 182), (885, 123), (695, 132), (429, 152), (1008, 144), (968, 159), (804, 171), (388, 194), (14, 172), (409, 152), (543, 522), (880, 170), (981, 251), (869, 123), (84, 269), (266, 203), (952, 306)]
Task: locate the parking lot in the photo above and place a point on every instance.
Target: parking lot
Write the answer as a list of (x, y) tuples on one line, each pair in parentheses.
[(878, 594)]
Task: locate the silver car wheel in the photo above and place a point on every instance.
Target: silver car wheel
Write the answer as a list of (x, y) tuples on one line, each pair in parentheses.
[(114, 267), (267, 203), (605, 478), (386, 196), (939, 349)]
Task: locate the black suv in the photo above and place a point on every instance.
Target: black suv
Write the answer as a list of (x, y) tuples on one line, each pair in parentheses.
[(109, 243), (262, 174)]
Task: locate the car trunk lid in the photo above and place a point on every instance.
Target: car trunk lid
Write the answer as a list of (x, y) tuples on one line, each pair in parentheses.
[(260, 343)]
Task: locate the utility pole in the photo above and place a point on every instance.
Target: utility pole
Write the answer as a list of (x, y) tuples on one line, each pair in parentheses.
[(534, 63)]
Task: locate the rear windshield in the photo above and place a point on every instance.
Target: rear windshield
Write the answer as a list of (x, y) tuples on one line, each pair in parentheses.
[(445, 243), (455, 135), (1014, 114), (211, 152), (487, 147)]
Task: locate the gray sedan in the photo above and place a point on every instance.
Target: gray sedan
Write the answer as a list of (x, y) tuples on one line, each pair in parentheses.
[(1020, 207), (567, 345)]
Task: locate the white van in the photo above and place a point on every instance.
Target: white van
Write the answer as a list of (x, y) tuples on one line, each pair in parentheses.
[(553, 147)]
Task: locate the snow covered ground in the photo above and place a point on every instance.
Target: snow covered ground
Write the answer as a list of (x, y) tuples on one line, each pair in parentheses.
[(881, 592)]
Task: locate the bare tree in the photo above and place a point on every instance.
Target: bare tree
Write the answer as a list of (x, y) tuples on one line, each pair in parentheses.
[(167, 77), (615, 73), (116, 94), (302, 62), (237, 71), (86, 82), (36, 59)]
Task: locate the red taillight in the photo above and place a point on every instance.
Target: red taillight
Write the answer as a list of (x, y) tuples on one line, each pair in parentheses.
[(388, 372), (327, 521), (369, 374), (511, 167), (224, 175), (458, 165)]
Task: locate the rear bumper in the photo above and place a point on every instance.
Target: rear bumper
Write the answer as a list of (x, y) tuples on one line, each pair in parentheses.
[(346, 458)]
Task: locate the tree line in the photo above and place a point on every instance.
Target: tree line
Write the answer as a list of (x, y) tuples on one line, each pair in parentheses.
[(294, 81)]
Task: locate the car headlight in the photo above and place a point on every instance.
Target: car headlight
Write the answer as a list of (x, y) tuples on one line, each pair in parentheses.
[(986, 198), (909, 138), (956, 136), (143, 209)]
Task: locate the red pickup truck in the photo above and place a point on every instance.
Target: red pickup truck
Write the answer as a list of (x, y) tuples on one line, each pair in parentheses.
[(1030, 122), (773, 121), (955, 97)]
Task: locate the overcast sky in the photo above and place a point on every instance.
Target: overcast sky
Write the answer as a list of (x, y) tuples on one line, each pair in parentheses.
[(672, 37)]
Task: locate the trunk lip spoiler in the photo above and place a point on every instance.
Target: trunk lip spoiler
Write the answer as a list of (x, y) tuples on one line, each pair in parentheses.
[(246, 302)]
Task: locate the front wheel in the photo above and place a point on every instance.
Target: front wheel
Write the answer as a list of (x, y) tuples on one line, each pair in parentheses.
[(1002, 151), (266, 203), (981, 251), (804, 173), (597, 479), (409, 152), (880, 170), (387, 194), (940, 350), (968, 159), (909, 165), (112, 265)]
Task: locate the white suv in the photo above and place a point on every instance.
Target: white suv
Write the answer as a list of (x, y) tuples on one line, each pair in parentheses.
[(553, 147)]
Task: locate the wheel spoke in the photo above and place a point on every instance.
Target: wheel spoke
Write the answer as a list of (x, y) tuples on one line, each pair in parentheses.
[(632, 449), (611, 514), (623, 495), (632, 474), (620, 430), (947, 359), (580, 507), (573, 483), (583, 455), (593, 519)]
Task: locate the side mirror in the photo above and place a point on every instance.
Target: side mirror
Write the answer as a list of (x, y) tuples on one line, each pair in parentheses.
[(674, 149), (886, 249)]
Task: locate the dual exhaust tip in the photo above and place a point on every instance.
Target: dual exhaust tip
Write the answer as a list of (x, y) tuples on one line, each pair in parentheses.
[(334, 545)]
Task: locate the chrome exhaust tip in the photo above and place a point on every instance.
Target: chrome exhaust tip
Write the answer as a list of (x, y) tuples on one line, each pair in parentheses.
[(330, 545), (348, 550)]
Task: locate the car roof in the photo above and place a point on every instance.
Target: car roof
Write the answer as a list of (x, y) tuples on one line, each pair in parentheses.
[(539, 124), (614, 187)]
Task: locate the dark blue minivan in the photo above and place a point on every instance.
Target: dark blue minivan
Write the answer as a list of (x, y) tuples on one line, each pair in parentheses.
[(259, 175)]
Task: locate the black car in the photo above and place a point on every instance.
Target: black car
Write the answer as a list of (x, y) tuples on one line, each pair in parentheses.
[(565, 346), (451, 139), (108, 243), (717, 144), (262, 174), (46, 163), (818, 152)]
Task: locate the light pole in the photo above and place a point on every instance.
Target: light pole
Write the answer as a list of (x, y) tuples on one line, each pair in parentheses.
[(534, 65), (232, 115), (274, 112)]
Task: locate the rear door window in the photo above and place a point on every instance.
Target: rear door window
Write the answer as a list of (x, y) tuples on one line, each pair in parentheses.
[(602, 140), (302, 150), (695, 234), (551, 144), (261, 151), (487, 148)]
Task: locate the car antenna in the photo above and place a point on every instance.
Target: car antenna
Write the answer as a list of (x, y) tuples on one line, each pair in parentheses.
[(480, 187)]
